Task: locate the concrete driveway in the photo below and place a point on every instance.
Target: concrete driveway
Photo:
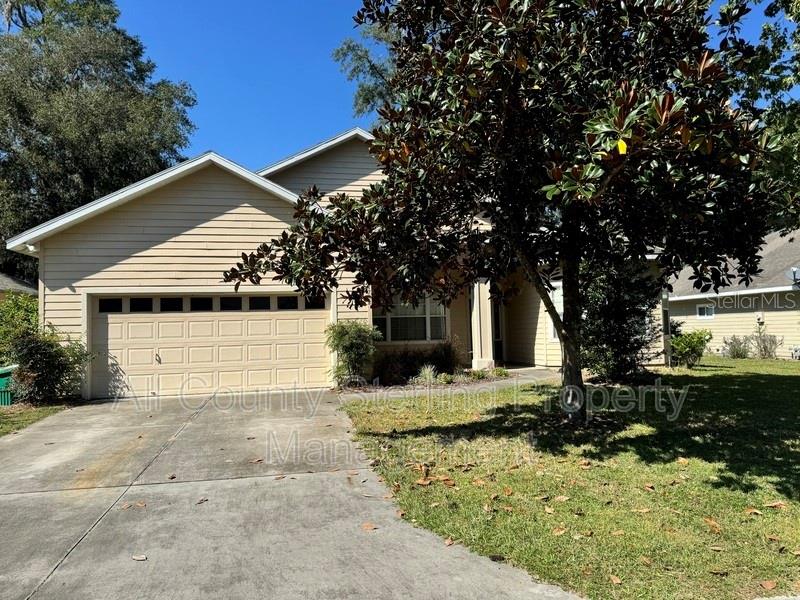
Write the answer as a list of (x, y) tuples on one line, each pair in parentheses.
[(236, 498)]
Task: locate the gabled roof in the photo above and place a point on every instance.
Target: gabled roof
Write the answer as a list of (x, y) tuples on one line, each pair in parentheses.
[(25, 242), (11, 284), (353, 134), (779, 255)]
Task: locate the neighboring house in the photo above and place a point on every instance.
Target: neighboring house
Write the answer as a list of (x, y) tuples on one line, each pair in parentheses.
[(137, 275), (10, 284), (773, 298)]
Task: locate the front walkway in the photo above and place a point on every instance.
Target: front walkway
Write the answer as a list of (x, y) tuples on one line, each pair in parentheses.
[(243, 499)]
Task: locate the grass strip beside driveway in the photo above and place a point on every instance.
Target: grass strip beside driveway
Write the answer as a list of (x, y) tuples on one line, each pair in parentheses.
[(636, 506), (19, 416)]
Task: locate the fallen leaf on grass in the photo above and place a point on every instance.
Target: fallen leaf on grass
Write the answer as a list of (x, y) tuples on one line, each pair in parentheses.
[(507, 491), (615, 580), (712, 525), (752, 511), (683, 461), (449, 542), (646, 560), (497, 558), (641, 510), (769, 585), (796, 552), (650, 487), (549, 510), (719, 573), (561, 498), (715, 548), (139, 557), (559, 531), (368, 526), (618, 532), (423, 482), (779, 504), (773, 538), (478, 482), (401, 513)]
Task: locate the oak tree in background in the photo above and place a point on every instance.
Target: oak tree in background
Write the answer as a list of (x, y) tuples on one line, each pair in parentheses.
[(530, 136), (81, 114)]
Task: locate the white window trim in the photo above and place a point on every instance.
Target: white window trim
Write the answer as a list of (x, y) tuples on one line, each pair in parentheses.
[(388, 317), (705, 317), (553, 334)]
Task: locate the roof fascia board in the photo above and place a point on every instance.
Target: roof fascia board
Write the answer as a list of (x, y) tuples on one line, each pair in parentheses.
[(747, 292), (294, 159)]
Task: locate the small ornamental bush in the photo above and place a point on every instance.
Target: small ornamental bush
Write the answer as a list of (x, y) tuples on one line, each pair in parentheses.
[(766, 345), (736, 346), (354, 344), (427, 376), (688, 348), (49, 369)]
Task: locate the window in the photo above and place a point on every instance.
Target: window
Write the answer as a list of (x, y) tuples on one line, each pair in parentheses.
[(315, 303), (407, 324), (141, 305), (201, 304), (171, 304), (230, 303), (287, 303), (558, 299), (259, 302), (110, 305), (705, 311)]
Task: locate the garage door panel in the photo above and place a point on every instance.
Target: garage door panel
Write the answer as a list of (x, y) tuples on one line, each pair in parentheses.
[(171, 356), (231, 354), (201, 329), (287, 377), (230, 329), (289, 351), (287, 327), (202, 353), (170, 329)]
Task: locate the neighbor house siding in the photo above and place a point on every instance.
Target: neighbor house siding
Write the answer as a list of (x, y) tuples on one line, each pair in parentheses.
[(183, 235), (736, 315), (347, 169)]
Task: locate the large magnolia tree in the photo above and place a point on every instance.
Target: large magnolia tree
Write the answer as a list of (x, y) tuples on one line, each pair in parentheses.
[(527, 136)]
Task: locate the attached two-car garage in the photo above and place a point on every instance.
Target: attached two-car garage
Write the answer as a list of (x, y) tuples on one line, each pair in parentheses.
[(202, 344)]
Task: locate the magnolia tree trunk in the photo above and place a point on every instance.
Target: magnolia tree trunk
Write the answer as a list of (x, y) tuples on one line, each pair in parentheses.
[(573, 397)]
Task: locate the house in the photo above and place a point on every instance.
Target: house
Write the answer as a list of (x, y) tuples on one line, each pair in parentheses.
[(137, 275), (10, 284), (773, 298)]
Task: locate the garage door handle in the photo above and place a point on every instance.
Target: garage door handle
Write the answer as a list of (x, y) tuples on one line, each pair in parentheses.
[(158, 358)]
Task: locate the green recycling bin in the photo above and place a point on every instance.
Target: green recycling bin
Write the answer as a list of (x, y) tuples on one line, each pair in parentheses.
[(6, 396)]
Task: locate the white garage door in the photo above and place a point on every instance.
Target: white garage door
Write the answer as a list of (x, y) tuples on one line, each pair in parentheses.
[(149, 346)]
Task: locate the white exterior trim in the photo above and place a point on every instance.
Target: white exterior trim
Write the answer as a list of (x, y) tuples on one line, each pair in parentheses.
[(24, 242), (353, 134), (711, 295)]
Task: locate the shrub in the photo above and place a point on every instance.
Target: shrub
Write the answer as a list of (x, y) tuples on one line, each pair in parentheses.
[(445, 378), (766, 345), (477, 374), (426, 376), (49, 369), (688, 348), (499, 373), (397, 367), (618, 329), (354, 344), (19, 315), (736, 346)]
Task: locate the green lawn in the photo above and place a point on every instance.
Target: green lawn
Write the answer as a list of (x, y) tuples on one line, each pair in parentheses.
[(636, 506), (16, 417)]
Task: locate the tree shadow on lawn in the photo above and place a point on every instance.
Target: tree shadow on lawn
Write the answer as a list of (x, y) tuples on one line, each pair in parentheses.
[(749, 422)]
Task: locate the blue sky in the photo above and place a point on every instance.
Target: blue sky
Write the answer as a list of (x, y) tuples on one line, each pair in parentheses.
[(265, 81), (262, 70)]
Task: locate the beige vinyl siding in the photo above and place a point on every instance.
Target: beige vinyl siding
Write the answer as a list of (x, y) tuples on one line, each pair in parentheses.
[(348, 169), (183, 235), (528, 328), (736, 315), (459, 325)]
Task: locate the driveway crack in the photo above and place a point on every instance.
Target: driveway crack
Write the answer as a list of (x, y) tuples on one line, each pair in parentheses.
[(125, 490)]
